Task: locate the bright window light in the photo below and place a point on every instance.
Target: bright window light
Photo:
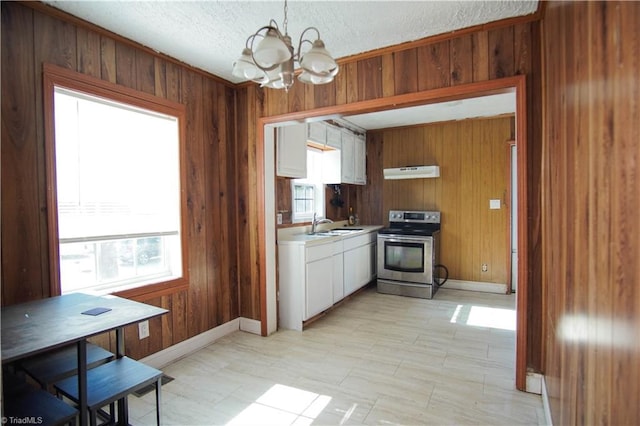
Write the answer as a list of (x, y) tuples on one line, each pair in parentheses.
[(283, 405), (482, 316), (454, 317), (308, 193), (118, 194)]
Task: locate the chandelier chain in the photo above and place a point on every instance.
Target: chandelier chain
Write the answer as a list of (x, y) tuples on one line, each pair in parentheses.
[(286, 21)]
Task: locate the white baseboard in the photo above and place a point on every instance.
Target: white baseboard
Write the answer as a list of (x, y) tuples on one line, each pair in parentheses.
[(186, 347), (545, 404), (534, 383), (476, 286), (251, 326)]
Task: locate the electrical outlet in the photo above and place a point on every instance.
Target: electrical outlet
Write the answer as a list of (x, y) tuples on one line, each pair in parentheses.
[(485, 267), (279, 218), (143, 330)]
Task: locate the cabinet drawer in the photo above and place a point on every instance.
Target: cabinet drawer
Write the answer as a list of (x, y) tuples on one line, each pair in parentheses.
[(318, 252), (357, 241)]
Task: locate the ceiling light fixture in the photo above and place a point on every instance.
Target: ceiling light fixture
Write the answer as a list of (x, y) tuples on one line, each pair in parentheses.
[(271, 63)]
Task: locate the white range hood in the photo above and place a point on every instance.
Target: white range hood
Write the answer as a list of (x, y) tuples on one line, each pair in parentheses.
[(412, 172)]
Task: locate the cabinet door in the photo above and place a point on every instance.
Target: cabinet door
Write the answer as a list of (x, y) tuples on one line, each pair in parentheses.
[(350, 271), (317, 132), (348, 155), (334, 137), (360, 160), (363, 267), (338, 278), (291, 151), (319, 286)]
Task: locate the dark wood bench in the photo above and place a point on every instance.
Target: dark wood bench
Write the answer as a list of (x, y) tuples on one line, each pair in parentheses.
[(111, 382), (51, 367), (26, 403)]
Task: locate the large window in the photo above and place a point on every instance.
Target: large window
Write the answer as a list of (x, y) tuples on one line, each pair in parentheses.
[(117, 192)]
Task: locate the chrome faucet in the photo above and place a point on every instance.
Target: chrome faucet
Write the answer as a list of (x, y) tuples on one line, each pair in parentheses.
[(315, 223)]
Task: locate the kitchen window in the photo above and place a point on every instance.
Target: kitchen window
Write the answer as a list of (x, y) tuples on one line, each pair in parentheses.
[(117, 203), (308, 193)]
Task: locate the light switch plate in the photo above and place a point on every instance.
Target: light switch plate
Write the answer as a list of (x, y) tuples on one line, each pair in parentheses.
[(494, 204)]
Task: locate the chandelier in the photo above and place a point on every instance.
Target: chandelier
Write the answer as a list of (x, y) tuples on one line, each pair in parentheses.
[(271, 61)]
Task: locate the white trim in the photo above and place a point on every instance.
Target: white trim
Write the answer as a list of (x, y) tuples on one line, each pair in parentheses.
[(270, 229), (476, 286), (251, 326), (545, 404), (186, 347), (534, 383)]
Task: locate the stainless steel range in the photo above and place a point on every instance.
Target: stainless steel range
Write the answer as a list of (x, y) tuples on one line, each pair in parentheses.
[(408, 251)]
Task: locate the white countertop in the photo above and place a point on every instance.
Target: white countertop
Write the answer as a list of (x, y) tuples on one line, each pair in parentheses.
[(299, 235)]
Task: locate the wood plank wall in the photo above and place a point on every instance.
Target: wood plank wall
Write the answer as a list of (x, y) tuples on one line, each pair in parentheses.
[(591, 199), (31, 38), (473, 159), (485, 54)]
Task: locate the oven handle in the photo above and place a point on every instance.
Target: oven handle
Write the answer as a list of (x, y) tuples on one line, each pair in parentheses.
[(402, 238)]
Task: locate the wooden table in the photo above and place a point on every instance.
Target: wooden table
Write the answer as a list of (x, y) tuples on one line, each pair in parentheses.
[(43, 325)]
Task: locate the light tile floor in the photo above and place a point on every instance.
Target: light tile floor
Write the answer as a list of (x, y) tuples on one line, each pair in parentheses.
[(376, 359)]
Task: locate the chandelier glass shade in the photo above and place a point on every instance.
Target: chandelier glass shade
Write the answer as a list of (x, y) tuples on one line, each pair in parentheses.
[(268, 58)]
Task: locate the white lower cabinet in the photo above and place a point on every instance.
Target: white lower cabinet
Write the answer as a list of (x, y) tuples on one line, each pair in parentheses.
[(358, 268), (319, 286), (338, 271), (312, 278)]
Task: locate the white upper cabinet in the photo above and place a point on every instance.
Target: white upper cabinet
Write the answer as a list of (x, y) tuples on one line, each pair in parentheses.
[(291, 151), (317, 132), (334, 137), (348, 157), (344, 156), (360, 160)]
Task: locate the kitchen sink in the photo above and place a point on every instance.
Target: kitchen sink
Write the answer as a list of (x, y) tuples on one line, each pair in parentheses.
[(338, 231)]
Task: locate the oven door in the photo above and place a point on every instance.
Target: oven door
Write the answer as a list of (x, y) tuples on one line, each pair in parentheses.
[(404, 258)]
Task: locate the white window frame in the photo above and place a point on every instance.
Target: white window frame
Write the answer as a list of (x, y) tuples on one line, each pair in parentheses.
[(314, 179)]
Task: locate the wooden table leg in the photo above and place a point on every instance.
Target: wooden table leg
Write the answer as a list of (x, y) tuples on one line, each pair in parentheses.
[(123, 406), (82, 381)]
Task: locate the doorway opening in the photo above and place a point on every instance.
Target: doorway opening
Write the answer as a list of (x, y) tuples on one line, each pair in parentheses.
[(266, 155)]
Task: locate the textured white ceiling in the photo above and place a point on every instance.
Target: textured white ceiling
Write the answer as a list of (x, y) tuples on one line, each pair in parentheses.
[(485, 106), (211, 34)]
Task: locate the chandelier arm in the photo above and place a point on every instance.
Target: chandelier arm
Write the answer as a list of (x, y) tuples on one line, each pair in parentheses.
[(298, 54), (302, 40)]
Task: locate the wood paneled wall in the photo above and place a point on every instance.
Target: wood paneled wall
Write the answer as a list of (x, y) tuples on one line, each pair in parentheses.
[(31, 38), (591, 195), (488, 53), (473, 159)]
